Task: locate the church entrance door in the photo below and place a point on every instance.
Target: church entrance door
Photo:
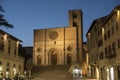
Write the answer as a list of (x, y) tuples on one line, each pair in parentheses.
[(53, 59), (53, 56)]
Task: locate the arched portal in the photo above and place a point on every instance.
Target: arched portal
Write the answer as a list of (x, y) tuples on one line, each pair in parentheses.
[(68, 59), (53, 56), (54, 59), (38, 60)]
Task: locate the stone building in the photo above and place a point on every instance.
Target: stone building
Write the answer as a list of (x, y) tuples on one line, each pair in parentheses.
[(59, 46), (10, 61), (103, 42)]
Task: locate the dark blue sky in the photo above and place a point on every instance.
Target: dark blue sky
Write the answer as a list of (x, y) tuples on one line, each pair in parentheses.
[(27, 15)]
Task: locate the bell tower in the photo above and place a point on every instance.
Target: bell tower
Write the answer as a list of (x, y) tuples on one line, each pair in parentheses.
[(75, 20)]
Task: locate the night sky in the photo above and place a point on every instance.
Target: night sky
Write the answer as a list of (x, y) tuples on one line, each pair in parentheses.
[(27, 15)]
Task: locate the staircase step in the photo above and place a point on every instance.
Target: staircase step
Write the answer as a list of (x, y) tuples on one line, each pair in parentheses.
[(50, 72)]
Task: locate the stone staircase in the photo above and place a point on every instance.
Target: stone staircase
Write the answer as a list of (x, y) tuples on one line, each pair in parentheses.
[(50, 72)]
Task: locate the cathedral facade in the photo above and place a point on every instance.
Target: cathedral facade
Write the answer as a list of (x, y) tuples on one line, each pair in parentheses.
[(59, 46)]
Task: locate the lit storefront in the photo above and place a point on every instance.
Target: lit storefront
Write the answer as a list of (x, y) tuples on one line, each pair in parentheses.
[(109, 73)]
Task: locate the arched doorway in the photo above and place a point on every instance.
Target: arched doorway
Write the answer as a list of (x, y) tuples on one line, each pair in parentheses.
[(54, 59), (53, 56), (68, 59), (38, 60)]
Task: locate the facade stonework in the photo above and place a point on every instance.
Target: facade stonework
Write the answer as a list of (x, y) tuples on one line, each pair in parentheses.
[(59, 46)]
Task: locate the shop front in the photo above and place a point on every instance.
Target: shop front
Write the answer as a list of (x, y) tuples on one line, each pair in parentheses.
[(109, 73)]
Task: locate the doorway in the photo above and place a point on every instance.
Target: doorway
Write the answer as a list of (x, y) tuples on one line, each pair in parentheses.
[(53, 59)]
